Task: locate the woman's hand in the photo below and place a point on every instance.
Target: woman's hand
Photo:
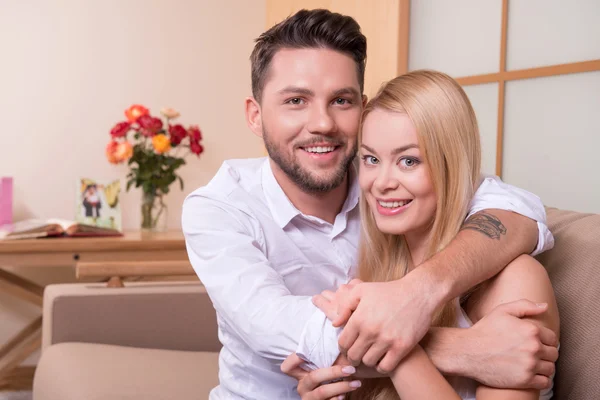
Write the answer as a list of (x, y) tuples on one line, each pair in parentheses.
[(321, 384)]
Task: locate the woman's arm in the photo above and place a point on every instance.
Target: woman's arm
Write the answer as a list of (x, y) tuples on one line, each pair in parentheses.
[(522, 278), (417, 378)]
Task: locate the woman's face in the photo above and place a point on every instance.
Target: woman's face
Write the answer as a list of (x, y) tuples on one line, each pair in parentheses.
[(393, 175)]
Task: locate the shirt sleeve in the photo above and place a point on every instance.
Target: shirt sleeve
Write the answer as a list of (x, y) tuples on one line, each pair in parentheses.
[(250, 297), (493, 193)]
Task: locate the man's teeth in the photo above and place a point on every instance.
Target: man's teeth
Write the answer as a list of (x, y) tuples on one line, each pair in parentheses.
[(319, 149), (393, 204)]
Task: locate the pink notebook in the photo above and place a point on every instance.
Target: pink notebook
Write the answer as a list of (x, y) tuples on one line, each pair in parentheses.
[(6, 198)]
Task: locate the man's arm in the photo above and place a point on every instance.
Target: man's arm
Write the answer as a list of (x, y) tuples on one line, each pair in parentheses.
[(487, 242), (390, 318), (498, 350), (250, 296)]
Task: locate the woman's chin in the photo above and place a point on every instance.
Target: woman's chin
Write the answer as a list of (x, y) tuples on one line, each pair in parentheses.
[(391, 228)]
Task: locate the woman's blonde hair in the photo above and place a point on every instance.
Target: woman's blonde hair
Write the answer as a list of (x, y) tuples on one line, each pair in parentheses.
[(449, 142)]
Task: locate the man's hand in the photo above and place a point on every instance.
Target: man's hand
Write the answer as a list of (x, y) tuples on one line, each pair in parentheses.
[(386, 320), (507, 351), (330, 302)]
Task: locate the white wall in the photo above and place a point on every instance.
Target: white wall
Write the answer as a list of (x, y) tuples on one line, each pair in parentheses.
[(68, 70), (551, 129)]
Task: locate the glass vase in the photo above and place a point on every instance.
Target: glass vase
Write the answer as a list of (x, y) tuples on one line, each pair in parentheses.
[(154, 213)]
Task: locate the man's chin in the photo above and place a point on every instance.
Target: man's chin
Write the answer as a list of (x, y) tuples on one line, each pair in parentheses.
[(325, 182)]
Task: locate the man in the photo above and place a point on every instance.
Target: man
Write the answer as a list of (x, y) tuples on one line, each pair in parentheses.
[(265, 235)]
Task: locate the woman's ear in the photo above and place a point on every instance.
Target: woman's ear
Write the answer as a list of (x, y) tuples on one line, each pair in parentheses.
[(253, 117)]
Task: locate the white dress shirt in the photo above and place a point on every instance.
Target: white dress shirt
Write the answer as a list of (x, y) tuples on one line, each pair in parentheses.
[(262, 260)]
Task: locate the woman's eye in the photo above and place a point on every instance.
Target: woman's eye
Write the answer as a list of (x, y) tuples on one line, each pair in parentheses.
[(409, 162), (370, 160)]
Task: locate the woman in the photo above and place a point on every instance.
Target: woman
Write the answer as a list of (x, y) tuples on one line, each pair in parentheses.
[(419, 167)]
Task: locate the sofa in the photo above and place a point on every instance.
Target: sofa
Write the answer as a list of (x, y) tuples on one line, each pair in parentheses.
[(159, 340)]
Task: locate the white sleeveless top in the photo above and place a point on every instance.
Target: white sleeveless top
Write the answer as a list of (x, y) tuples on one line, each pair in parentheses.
[(466, 387)]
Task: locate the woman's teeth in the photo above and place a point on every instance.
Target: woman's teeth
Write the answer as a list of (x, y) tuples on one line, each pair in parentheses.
[(393, 204)]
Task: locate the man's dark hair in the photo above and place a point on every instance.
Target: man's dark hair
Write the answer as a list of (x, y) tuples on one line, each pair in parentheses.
[(308, 29)]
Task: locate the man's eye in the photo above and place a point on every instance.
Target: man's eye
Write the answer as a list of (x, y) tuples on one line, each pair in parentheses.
[(295, 101), (341, 101)]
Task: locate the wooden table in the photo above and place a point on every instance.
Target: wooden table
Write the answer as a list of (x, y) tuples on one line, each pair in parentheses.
[(133, 247)]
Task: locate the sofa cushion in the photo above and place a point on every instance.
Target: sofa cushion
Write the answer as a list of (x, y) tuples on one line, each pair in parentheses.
[(75, 371), (574, 269), (93, 313)]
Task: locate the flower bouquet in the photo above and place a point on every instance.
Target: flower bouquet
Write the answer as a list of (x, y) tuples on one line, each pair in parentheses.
[(154, 150)]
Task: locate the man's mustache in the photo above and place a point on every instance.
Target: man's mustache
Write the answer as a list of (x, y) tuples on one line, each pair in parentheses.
[(321, 141)]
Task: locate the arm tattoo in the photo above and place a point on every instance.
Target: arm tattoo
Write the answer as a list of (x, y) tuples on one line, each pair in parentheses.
[(485, 223)]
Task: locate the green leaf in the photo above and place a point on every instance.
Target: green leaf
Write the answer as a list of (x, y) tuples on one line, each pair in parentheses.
[(180, 182)]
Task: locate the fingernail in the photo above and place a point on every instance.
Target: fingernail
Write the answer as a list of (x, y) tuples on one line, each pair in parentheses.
[(355, 384), (341, 397), (541, 305), (349, 370)]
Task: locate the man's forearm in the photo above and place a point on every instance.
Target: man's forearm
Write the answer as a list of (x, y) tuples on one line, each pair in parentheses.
[(488, 241), (445, 348)]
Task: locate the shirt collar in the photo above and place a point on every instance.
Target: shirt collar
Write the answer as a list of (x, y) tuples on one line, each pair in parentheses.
[(282, 209), (353, 192)]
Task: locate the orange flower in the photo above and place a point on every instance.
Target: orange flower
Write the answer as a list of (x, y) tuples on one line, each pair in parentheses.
[(118, 152), (111, 150), (124, 151), (135, 111), (161, 144)]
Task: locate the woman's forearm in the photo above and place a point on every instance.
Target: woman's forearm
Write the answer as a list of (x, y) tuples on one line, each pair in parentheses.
[(417, 378)]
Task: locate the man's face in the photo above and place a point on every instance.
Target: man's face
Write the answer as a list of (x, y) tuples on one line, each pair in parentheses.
[(310, 112)]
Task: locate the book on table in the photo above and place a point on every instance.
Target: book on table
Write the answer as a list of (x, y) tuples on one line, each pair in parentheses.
[(53, 227)]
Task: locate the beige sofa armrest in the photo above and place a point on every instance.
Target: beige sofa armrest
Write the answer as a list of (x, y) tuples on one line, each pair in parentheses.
[(158, 315)]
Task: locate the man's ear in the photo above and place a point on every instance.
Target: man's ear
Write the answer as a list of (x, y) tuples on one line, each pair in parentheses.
[(253, 117), (365, 100)]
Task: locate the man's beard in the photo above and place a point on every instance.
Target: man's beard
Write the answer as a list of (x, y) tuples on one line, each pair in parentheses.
[(302, 177)]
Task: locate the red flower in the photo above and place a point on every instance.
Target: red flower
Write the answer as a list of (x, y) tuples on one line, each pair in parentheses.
[(120, 129), (178, 133), (135, 111), (194, 133), (150, 125), (196, 148)]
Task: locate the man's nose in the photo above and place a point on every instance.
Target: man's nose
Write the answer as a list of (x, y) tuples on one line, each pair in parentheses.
[(321, 121)]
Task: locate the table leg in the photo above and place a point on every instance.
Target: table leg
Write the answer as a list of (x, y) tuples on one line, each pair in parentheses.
[(29, 339)]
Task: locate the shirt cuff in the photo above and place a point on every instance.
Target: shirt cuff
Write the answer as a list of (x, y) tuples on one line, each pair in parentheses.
[(545, 240), (319, 342)]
